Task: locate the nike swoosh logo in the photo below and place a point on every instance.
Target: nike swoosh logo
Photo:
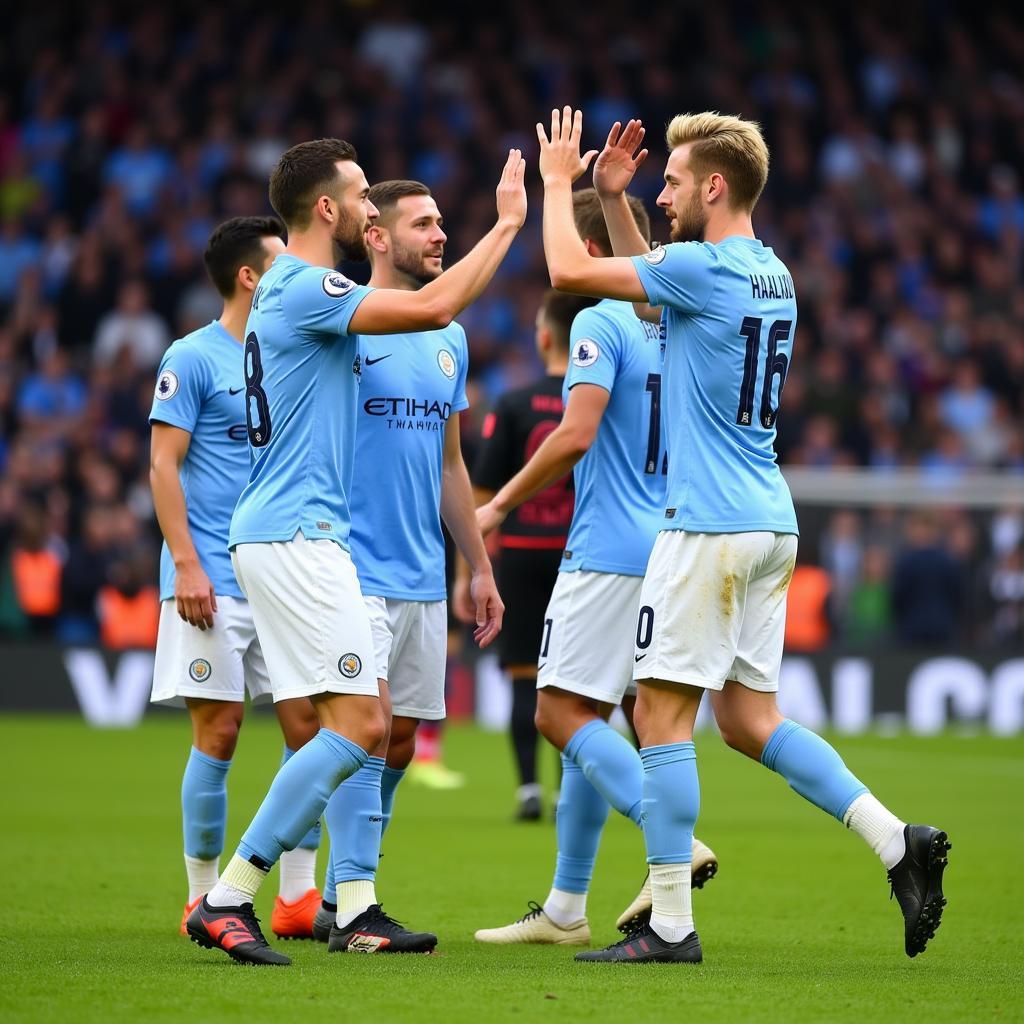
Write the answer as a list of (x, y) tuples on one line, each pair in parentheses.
[(370, 362), (235, 391), (639, 657), (541, 665)]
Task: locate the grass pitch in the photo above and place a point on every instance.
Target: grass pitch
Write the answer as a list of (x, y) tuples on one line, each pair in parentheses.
[(796, 927)]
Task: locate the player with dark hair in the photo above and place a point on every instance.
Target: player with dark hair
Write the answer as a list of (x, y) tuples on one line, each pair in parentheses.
[(713, 602), (290, 530), (207, 650), (611, 437), (408, 476), (533, 535)]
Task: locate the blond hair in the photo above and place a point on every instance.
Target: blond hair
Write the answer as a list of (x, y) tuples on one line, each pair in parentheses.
[(726, 145)]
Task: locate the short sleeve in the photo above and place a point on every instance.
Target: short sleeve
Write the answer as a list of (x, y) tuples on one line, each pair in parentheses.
[(320, 303), (494, 461), (681, 275), (595, 350), (182, 384), (460, 401)]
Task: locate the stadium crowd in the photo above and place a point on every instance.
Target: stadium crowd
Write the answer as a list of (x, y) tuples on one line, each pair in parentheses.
[(897, 137)]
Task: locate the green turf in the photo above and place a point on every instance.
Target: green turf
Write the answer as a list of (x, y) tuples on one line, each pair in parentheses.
[(796, 927)]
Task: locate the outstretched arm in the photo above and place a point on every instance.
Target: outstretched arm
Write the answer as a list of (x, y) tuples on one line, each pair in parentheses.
[(570, 267), (459, 514), (555, 457), (435, 305), (616, 164)]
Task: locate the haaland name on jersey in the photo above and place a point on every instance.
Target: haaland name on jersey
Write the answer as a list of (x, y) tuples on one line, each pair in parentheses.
[(724, 374)]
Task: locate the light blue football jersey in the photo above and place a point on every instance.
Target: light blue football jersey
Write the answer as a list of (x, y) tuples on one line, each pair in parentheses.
[(730, 317), (620, 482), (200, 388), (302, 388), (411, 385)]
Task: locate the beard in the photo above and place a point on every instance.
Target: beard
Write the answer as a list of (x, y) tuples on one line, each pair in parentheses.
[(413, 264), (691, 223), (349, 240)]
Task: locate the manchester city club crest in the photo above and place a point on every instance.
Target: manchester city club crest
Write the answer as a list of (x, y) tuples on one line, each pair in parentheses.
[(350, 665), (447, 363), (200, 670)]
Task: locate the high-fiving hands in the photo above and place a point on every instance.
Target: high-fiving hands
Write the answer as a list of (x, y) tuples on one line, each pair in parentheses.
[(619, 160), (511, 191), (560, 158)]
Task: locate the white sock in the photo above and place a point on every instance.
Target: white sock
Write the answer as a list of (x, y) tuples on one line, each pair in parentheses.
[(353, 899), (530, 789), (298, 873), (202, 875), (672, 916), (238, 884), (878, 827), (566, 908)]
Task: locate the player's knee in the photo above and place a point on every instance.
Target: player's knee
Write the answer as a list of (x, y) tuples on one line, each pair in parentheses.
[(218, 736), (400, 752), (737, 735), (542, 719), (374, 727)]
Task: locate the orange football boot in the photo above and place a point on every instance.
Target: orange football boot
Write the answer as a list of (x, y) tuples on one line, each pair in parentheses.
[(189, 907), (295, 920)]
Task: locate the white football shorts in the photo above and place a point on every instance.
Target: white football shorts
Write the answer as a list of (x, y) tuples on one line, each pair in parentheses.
[(587, 643), (410, 644), (213, 664), (310, 617), (713, 609)]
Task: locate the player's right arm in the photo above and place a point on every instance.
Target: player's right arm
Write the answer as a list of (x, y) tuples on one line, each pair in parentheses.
[(435, 305), (555, 457), (183, 383), (613, 171), (193, 592)]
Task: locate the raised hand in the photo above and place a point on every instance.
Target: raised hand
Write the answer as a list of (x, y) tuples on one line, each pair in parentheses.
[(619, 160), (560, 157), (511, 191)]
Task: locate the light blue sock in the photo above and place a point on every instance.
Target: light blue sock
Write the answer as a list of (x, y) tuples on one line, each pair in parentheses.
[(611, 766), (330, 885), (671, 802), (204, 805), (390, 778), (298, 795), (311, 840), (582, 812), (354, 823), (812, 768), (388, 784)]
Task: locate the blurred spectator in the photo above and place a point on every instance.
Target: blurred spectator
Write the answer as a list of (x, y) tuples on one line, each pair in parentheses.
[(84, 576), (1006, 588), (133, 328), (53, 397), (868, 618), (895, 197), (928, 587), (35, 571), (808, 628)]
